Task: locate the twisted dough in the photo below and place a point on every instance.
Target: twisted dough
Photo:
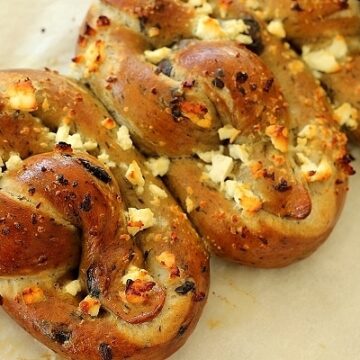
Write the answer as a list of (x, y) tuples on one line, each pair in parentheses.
[(70, 273), (256, 158), (328, 34)]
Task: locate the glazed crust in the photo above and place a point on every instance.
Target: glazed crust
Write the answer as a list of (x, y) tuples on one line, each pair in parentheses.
[(63, 219), (270, 211)]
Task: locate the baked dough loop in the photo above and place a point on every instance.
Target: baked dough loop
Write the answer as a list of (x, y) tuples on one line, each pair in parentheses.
[(327, 33), (256, 157), (70, 272)]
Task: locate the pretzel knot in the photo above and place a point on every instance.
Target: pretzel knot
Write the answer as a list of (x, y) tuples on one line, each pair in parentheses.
[(256, 158), (89, 257)]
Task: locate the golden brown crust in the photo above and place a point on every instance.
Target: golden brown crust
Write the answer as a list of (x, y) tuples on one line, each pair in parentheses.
[(277, 204), (149, 291)]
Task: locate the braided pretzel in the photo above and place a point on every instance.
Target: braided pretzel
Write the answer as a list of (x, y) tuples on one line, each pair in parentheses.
[(328, 34), (70, 273), (184, 86)]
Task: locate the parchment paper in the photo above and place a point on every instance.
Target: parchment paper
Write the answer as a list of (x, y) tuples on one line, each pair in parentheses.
[(308, 311)]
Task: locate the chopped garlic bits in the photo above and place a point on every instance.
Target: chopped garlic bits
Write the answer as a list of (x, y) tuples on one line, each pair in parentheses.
[(139, 219), (22, 96), (158, 166)]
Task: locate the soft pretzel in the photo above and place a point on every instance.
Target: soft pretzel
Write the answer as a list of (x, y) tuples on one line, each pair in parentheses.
[(257, 160), (80, 275), (327, 33)]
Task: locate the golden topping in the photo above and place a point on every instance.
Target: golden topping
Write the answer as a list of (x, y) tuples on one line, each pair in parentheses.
[(108, 123), (90, 306), (22, 96), (347, 115), (94, 56), (137, 292), (243, 196), (279, 136), (157, 55), (197, 113), (33, 295), (167, 260), (313, 172), (140, 219)]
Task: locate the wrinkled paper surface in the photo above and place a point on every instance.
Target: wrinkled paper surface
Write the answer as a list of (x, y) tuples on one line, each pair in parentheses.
[(308, 311)]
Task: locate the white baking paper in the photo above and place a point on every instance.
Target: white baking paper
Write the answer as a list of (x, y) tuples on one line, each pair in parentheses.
[(308, 311)]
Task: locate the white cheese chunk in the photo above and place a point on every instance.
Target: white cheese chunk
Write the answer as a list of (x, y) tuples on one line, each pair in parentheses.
[(140, 219), (156, 56), (123, 137), (75, 140), (242, 195), (228, 132), (276, 28), (14, 162), (190, 206), (73, 287), (313, 172), (22, 96), (135, 176), (346, 115), (221, 168), (104, 157), (338, 47), (207, 156), (134, 273), (325, 60), (157, 192), (158, 166), (239, 152), (90, 306)]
